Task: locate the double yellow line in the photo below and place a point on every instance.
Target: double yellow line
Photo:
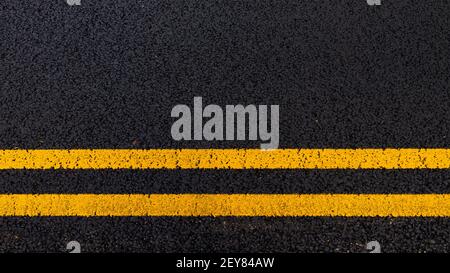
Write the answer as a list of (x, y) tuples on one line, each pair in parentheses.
[(267, 205)]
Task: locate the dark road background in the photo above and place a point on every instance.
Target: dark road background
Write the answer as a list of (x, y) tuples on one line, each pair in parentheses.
[(106, 74)]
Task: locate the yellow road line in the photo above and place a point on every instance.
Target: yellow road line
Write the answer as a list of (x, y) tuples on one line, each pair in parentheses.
[(268, 205), (226, 159)]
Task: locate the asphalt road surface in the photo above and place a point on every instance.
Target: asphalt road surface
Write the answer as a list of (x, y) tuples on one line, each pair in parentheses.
[(106, 74)]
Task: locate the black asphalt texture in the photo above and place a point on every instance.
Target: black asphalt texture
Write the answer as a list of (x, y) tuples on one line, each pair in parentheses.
[(106, 74)]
